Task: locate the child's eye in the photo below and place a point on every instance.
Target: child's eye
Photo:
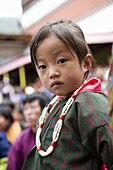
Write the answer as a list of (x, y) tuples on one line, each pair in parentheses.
[(61, 61), (41, 67)]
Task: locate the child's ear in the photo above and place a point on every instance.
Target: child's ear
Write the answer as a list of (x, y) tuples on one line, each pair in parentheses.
[(87, 62)]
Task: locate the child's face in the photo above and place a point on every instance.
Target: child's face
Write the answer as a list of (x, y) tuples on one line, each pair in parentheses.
[(59, 71)]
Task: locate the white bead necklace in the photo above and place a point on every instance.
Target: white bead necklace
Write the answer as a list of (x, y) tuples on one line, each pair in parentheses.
[(58, 125)]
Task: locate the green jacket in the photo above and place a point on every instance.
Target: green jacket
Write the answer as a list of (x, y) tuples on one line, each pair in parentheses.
[(84, 142)]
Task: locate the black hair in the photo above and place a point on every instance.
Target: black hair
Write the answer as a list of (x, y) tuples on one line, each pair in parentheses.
[(40, 96), (8, 103), (20, 110), (70, 34), (6, 113)]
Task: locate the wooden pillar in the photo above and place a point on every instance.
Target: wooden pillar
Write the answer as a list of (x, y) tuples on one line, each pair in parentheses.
[(22, 77), (6, 75)]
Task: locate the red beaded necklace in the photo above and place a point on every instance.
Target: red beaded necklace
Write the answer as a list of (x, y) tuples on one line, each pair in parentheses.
[(58, 125)]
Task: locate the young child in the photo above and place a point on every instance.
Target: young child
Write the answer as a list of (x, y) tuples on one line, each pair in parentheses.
[(72, 132)]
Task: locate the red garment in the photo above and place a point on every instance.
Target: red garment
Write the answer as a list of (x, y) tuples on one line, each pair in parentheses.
[(104, 167), (93, 85), (20, 149)]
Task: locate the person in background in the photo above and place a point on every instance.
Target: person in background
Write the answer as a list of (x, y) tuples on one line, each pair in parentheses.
[(72, 131), (4, 147), (16, 111), (33, 105), (8, 125), (9, 104), (7, 89), (18, 115), (110, 92)]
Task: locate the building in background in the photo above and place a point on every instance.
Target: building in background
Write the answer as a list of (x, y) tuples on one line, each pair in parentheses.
[(94, 17)]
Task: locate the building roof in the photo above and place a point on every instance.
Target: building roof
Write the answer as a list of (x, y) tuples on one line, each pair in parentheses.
[(81, 11)]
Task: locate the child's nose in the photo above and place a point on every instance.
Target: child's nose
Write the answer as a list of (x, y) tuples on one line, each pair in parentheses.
[(53, 72)]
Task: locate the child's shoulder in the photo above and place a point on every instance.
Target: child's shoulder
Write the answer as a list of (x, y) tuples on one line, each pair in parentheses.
[(92, 112), (92, 103), (92, 97)]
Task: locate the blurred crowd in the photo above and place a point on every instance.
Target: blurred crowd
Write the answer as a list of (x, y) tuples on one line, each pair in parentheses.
[(19, 112)]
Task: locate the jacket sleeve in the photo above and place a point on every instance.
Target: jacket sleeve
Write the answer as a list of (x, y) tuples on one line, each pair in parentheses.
[(93, 122), (99, 144), (31, 161)]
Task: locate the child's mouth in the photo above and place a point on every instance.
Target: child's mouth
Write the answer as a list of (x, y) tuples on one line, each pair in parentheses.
[(56, 84)]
